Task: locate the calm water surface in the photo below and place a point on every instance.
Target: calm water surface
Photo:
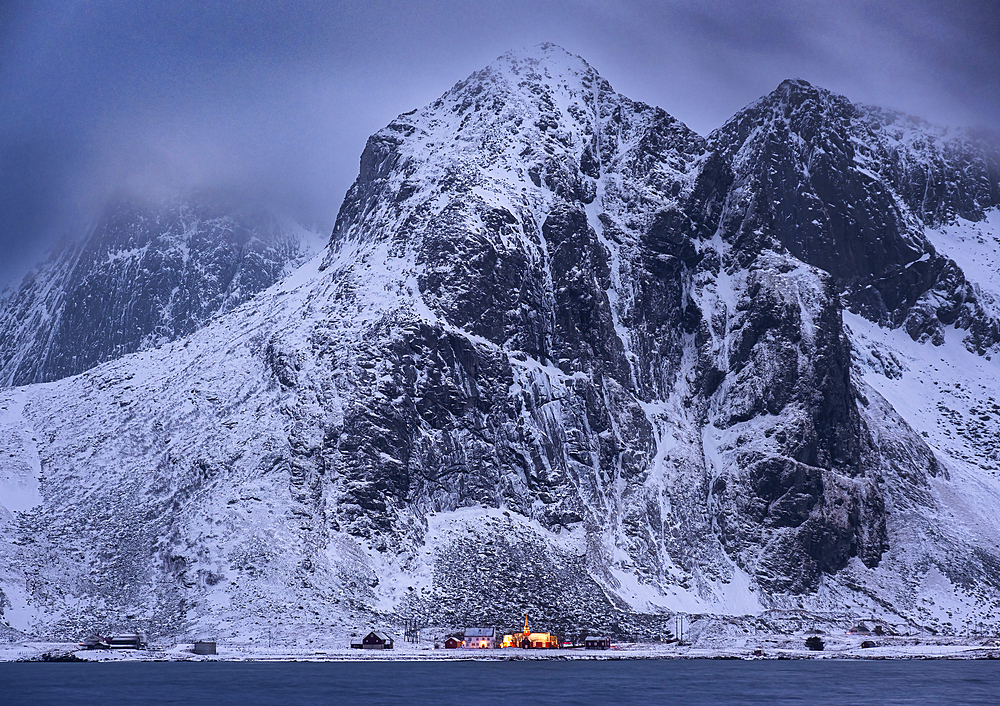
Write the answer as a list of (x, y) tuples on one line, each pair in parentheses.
[(692, 683)]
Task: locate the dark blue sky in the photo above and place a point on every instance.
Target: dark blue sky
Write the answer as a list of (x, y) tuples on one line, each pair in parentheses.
[(278, 97)]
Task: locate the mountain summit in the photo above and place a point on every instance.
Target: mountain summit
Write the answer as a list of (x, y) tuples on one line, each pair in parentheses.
[(561, 355)]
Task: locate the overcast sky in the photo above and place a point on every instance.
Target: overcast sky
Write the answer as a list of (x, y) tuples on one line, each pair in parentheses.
[(279, 97)]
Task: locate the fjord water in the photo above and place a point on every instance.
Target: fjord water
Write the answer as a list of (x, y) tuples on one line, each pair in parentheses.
[(693, 683)]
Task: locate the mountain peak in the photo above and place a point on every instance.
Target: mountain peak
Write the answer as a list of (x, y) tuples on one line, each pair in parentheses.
[(795, 84), (545, 52), (544, 63), (540, 114), (795, 104), (796, 92)]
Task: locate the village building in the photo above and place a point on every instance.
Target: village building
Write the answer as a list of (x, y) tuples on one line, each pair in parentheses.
[(377, 641), (480, 638), (94, 642), (530, 640), (543, 641), (597, 643), (452, 643), (511, 640), (128, 641)]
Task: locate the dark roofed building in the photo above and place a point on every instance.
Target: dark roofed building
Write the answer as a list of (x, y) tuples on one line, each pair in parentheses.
[(377, 641), (128, 641), (94, 642), (592, 642)]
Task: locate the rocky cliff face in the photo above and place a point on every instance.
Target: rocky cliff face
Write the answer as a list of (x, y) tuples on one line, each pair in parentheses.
[(562, 355), (146, 274)]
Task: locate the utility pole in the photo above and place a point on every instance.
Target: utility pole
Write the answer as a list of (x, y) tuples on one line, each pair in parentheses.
[(411, 630)]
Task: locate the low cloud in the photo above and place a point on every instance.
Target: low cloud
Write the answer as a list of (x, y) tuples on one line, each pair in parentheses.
[(277, 98)]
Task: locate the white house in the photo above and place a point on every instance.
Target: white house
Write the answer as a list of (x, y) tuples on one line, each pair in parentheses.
[(480, 638)]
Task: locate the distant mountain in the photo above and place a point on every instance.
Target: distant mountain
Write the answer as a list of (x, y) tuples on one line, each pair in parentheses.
[(562, 356), (148, 273)]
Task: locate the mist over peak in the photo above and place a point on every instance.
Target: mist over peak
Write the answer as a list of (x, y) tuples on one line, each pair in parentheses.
[(277, 100)]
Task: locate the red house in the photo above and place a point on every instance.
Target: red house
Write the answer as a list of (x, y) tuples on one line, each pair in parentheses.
[(597, 643)]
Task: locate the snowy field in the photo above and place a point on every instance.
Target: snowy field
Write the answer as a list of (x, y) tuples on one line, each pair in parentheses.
[(750, 647)]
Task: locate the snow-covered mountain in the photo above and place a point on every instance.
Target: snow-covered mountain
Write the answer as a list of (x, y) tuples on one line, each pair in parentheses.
[(562, 355), (148, 272)]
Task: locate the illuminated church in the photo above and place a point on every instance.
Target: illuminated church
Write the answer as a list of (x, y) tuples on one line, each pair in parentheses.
[(531, 640)]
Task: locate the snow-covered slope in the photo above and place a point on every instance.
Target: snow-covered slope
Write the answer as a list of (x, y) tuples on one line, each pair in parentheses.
[(564, 356), (943, 529)]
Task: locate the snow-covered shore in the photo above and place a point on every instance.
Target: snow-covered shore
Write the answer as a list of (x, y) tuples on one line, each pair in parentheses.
[(757, 647)]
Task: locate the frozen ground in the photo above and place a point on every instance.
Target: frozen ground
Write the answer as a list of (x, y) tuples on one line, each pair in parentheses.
[(761, 647), (757, 646)]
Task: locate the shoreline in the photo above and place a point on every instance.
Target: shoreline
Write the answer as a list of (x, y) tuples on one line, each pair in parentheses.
[(844, 650)]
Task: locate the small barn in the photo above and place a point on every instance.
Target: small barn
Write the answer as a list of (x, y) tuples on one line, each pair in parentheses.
[(480, 638), (452, 643), (592, 642), (356, 643), (377, 641)]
